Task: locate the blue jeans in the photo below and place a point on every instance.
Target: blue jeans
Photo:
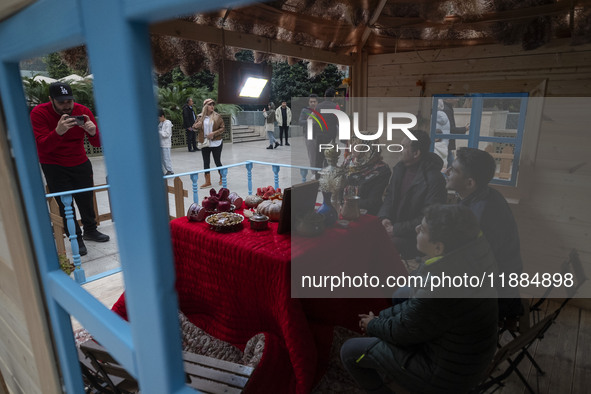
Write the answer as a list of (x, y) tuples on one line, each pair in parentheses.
[(271, 136)]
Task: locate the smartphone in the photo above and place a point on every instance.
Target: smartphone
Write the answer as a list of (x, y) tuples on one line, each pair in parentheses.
[(80, 120)]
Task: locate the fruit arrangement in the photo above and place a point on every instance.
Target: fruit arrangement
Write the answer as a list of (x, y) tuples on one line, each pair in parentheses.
[(270, 193), (217, 201), (220, 201)]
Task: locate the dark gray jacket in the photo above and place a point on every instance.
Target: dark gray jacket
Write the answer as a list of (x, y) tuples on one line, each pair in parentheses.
[(434, 344), (427, 188), (500, 229)]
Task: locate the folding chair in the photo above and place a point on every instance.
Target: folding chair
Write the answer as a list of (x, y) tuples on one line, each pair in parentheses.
[(571, 265), (517, 349), (102, 373)]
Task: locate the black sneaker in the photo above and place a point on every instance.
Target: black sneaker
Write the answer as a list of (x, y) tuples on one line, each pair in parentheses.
[(270, 147), (287, 144), (276, 144), (169, 173), (81, 247), (95, 236)]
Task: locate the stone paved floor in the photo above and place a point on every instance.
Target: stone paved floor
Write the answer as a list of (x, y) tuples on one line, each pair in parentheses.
[(103, 257)]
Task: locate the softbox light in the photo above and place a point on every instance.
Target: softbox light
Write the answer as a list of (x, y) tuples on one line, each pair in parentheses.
[(237, 77)]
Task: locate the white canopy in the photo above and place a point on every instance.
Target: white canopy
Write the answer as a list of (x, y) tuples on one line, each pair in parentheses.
[(41, 78), (71, 78)]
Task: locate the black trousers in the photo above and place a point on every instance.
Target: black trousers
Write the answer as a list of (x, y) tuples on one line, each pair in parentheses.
[(60, 179), (363, 369), (283, 129), (191, 140), (217, 156)]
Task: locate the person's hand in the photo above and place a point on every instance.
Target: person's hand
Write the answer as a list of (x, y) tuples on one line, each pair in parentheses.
[(89, 126), (264, 109), (209, 136), (365, 319), (64, 124), (387, 224)]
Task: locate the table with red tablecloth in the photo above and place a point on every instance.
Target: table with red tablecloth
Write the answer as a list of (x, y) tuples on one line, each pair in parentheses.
[(237, 285)]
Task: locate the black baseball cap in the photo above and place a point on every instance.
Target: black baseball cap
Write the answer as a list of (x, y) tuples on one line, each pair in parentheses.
[(60, 91)]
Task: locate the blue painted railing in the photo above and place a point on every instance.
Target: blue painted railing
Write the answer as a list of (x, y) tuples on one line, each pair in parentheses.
[(66, 198)]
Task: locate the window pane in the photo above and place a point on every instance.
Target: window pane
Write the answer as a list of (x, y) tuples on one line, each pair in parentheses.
[(503, 154), (500, 117)]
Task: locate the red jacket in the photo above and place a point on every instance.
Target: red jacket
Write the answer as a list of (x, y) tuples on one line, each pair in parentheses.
[(65, 150)]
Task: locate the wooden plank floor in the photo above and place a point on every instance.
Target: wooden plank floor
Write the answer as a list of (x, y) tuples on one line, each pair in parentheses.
[(563, 354), (107, 290)]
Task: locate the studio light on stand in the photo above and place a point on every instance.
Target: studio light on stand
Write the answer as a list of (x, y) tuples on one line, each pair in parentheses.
[(244, 83), (253, 87)]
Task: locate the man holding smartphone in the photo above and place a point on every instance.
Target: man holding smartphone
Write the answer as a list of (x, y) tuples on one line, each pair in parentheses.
[(60, 126)]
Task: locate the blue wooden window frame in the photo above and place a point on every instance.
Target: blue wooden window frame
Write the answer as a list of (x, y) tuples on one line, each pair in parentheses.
[(473, 135), (116, 35)]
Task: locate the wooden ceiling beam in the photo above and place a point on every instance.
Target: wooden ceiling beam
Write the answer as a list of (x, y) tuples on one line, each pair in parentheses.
[(368, 29), (380, 45), (315, 27), (391, 22), (209, 34)]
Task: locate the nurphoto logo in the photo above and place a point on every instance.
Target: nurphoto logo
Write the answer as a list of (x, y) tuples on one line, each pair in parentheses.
[(344, 129)]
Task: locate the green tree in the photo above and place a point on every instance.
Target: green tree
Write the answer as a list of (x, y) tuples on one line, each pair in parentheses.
[(201, 79), (290, 81), (56, 67), (37, 92), (173, 97), (331, 77)]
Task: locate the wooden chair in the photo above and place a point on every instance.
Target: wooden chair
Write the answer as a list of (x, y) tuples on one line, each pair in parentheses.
[(102, 373), (530, 329)]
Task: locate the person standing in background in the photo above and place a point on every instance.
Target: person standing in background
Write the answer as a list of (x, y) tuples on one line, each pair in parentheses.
[(210, 125), (270, 125), (60, 127), (188, 120), (283, 120), (165, 131), (311, 144)]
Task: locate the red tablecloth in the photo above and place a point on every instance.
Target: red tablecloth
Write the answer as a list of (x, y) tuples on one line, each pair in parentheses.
[(237, 285)]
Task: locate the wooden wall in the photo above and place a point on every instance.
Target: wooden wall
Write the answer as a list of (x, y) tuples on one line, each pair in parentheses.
[(27, 362), (554, 209)]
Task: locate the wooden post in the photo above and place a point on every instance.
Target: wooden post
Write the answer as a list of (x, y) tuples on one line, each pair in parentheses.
[(96, 212), (58, 226), (179, 198)]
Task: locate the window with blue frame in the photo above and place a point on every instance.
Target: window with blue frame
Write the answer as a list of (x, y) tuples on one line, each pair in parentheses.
[(492, 122)]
